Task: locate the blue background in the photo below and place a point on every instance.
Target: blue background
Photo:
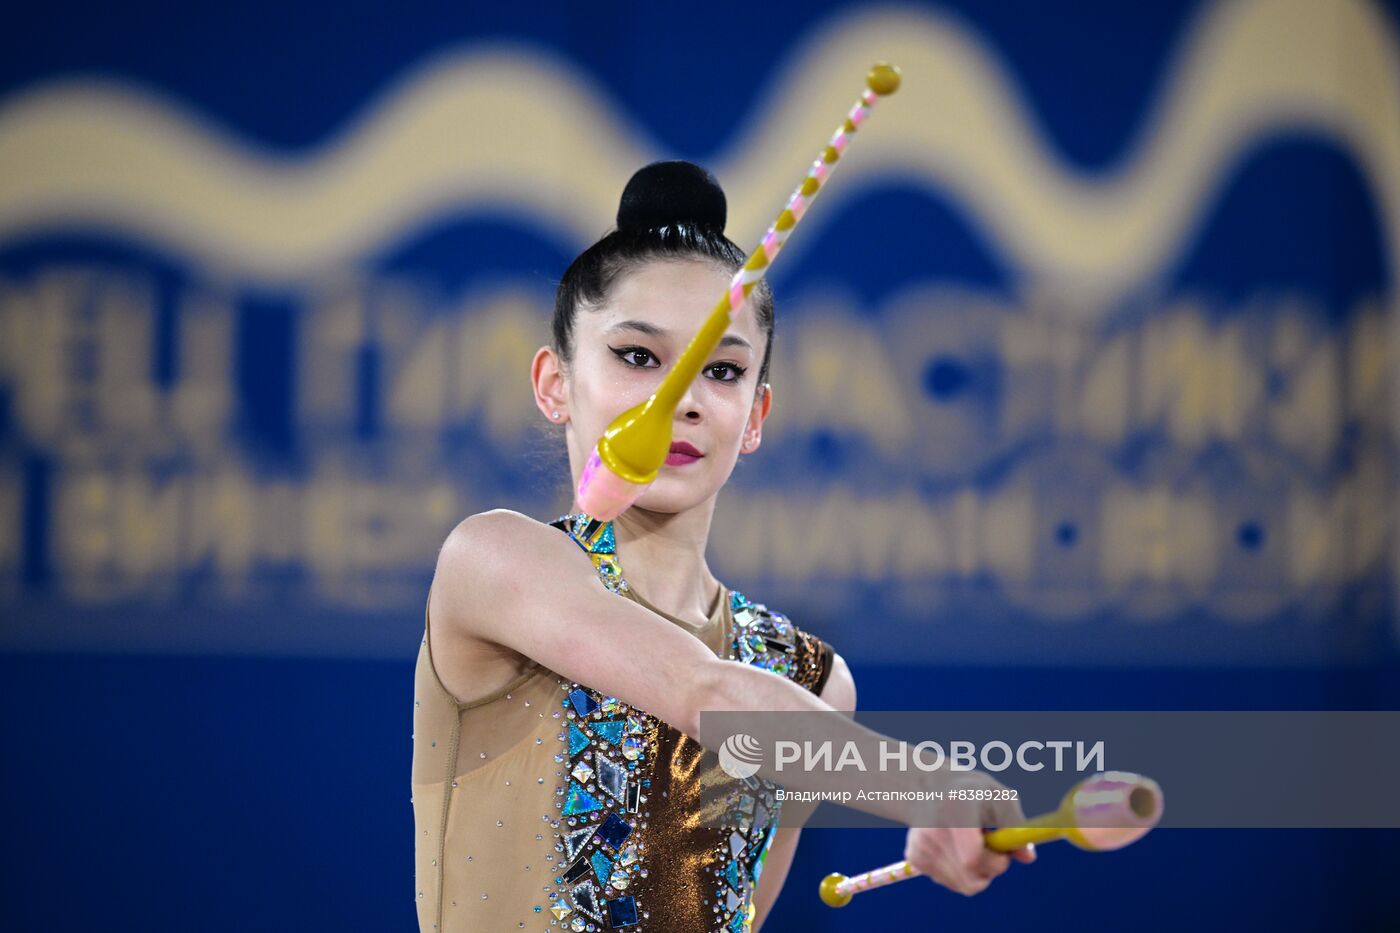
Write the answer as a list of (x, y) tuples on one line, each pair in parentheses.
[(177, 789)]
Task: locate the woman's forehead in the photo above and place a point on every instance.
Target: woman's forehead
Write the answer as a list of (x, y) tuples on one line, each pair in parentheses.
[(670, 296)]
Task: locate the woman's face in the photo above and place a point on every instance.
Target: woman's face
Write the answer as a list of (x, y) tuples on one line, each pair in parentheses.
[(624, 348)]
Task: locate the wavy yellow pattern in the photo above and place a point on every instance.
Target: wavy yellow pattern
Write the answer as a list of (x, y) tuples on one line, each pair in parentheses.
[(512, 127)]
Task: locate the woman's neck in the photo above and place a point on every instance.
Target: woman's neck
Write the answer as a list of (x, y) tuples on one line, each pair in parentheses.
[(663, 558)]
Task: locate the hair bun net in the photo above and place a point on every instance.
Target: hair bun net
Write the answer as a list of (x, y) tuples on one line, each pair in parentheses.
[(665, 194)]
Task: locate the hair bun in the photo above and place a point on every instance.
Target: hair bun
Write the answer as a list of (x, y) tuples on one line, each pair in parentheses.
[(665, 194)]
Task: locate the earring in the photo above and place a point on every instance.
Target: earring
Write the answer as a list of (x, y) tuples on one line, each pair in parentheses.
[(554, 415)]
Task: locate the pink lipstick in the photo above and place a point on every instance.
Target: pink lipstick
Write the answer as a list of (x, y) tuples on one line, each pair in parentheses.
[(682, 453)]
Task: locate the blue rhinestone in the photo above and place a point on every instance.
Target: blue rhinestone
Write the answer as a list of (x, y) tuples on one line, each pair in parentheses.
[(614, 831), (584, 703), (577, 740), (610, 729), (622, 912), (602, 866), (580, 801)]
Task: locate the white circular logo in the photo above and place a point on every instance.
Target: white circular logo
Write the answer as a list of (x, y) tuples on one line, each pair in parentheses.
[(740, 756)]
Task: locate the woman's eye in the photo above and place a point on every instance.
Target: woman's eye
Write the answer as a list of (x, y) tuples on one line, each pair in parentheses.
[(635, 356), (725, 372)]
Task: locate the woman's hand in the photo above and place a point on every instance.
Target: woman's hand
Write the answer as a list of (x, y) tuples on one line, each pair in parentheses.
[(955, 854)]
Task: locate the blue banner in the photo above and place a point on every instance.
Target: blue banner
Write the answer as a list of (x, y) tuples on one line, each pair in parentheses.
[(1052, 384)]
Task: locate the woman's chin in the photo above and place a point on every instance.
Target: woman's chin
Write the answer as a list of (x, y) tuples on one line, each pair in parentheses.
[(673, 493)]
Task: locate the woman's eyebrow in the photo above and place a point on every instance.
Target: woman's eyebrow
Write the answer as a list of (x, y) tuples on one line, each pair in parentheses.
[(644, 327), (651, 330)]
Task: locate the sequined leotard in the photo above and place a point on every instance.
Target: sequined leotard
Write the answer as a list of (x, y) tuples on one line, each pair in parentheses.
[(549, 806)]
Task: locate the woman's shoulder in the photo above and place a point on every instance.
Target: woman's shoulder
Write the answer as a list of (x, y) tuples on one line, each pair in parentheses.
[(766, 637), (498, 544), (496, 531), (492, 524)]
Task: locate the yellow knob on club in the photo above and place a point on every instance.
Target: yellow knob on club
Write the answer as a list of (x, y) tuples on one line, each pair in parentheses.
[(1107, 811)]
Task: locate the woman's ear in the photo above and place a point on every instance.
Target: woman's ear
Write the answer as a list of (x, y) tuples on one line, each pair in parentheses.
[(551, 392), (753, 431)]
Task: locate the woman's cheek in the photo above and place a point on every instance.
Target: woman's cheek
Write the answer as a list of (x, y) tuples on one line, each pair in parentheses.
[(626, 390)]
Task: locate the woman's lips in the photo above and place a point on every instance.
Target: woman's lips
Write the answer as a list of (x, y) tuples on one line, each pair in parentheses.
[(682, 453)]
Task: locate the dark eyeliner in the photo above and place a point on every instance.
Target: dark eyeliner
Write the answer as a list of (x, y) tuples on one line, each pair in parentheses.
[(622, 352), (739, 371)]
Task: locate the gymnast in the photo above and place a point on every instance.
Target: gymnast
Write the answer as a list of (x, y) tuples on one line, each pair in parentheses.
[(556, 783)]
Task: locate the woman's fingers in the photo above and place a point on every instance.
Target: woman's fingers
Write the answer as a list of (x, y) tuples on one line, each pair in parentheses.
[(958, 858), (971, 886), (988, 864)]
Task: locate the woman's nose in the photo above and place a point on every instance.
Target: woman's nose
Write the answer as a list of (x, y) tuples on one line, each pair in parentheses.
[(689, 408)]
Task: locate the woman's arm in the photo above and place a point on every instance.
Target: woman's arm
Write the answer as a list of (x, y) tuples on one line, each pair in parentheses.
[(509, 579), (840, 692), (505, 578)]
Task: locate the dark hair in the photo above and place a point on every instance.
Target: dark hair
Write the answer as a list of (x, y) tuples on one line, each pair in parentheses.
[(669, 210)]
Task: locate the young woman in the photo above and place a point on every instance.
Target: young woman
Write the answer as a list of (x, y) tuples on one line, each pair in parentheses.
[(555, 781)]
